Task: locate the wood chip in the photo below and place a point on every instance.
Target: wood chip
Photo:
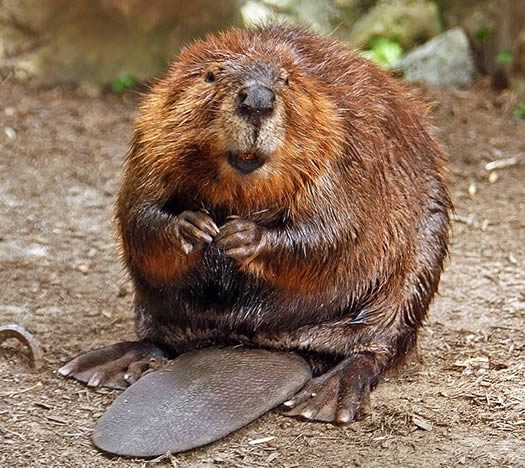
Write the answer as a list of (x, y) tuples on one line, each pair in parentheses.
[(41, 404), (56, 419), (481, 361), (260, 441), (501, 163), (493, 177), (422, 423)]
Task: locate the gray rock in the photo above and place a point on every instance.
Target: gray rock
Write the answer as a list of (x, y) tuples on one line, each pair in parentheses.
[(497, 30), (321, 15), (444, 61), (408, 22)]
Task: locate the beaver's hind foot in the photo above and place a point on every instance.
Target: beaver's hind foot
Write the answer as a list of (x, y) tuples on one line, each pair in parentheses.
[(115, 366), (340, 395)]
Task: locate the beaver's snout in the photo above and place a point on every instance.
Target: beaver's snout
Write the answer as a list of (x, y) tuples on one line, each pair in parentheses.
[(255, 100), (254, 131)]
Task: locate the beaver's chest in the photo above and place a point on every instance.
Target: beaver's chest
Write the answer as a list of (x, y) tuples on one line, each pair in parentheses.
[(218, 300), (217, 289)]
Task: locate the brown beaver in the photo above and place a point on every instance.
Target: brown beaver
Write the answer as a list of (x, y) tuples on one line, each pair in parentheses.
[(280, 192)]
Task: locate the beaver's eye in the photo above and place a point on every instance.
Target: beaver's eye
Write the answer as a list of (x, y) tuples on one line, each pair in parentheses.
[(287, 81), (209, 77)]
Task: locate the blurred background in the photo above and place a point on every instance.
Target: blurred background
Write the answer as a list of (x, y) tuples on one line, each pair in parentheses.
[(117, 43)]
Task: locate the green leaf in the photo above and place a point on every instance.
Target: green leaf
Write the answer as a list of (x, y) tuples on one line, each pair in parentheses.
[(483, 34), (504, 57), (520, 111), (384, 51), (120, 85)]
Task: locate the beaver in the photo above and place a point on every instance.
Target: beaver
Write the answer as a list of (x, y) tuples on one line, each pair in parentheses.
[(281, 192)]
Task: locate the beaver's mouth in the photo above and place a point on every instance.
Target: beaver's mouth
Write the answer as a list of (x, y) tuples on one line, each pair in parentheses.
[(246, 162)]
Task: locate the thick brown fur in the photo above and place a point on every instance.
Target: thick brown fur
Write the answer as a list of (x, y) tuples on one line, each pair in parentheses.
[(348, 215)]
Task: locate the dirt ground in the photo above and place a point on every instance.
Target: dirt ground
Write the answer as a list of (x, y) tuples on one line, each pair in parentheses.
[(461, 403)]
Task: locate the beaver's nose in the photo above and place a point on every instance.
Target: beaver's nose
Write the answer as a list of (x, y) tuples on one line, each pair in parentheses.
[(255, 101)]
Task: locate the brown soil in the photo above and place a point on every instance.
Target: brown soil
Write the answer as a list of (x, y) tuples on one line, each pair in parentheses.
[(461, 403)]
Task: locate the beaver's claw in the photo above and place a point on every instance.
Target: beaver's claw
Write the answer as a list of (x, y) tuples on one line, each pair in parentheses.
[(194, 229), (241, 240)]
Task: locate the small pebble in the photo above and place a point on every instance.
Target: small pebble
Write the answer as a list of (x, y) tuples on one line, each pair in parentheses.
[(10, 133)]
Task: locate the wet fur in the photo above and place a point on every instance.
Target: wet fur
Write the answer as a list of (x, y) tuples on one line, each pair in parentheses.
[(353, 196)]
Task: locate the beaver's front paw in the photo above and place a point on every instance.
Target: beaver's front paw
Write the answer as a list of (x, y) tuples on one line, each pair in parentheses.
[(241, 240), (194, 229), (341, 395)]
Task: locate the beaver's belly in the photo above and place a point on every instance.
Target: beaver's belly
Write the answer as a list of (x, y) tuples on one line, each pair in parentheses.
[(218, 304)]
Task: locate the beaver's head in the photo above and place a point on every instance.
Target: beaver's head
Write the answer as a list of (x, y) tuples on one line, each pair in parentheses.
[(248, 124), (241, 119)]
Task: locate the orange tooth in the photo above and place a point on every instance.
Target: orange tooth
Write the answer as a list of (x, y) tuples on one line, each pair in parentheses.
[(247, 156)]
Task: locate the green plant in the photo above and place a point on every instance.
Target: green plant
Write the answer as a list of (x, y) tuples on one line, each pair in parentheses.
[(520, 110), (441, 13), (120, 85), (504, 57), (384, 51), (483, 34)]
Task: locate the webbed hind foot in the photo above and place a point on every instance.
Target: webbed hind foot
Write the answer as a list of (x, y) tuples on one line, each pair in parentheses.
[(340, 395), (115, 366)]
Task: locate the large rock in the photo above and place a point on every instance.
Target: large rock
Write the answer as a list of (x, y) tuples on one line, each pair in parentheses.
[(51, 41), (324, 16), (408, 22), (496, 29), (358, 22), (444, 61)]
